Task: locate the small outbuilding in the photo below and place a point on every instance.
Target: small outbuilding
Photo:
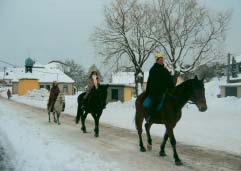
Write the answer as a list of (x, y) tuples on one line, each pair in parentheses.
[(233, 89), (119, 92)]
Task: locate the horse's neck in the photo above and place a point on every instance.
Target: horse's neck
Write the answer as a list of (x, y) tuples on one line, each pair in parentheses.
[(59, 99), (181, 94)]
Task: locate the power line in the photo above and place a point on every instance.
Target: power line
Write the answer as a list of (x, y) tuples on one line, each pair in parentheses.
[(7, 63)]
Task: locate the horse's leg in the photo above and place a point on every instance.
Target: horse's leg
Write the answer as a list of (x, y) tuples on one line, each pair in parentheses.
[(49, 116), (58, 115), (55, 120), (162, 147), (173, 143), (139, 121), (83, 117), (80, 111), (149, 140), (96, 118)]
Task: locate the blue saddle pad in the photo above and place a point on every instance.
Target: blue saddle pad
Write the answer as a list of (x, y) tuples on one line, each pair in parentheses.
[(147, 103)]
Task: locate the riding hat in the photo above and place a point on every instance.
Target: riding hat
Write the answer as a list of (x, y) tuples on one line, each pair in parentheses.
[(158, 55)]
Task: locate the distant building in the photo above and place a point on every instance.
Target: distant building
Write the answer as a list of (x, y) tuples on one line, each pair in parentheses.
[(233, 85), (119, 92), (38, 76), (122, 85), (127, 78)]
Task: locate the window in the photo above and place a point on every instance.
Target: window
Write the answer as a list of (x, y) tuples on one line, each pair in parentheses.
[(114, 94), (41, 86), (48, 87), (65, 88), (231, 91)]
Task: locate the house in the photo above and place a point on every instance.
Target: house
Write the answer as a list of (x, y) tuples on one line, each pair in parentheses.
[(230, 89), (123, 82), (127, 78), (38, 76), (122, 86), (3, 80), (233, 85), (119, 92)]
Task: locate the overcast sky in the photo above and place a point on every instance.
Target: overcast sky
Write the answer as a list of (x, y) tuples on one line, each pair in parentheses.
[(48, 30)]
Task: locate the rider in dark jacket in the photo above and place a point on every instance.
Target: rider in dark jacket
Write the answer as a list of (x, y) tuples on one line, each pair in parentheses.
[(158, 82), (54, 92)]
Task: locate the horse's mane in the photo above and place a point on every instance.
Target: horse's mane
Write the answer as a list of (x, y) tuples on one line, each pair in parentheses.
[(185, 87), (186, 83)]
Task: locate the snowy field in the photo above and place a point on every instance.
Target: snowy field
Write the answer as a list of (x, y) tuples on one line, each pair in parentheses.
[(218, 128)]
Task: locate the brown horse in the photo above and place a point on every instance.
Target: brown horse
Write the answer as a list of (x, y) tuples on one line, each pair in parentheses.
[(170, 113)]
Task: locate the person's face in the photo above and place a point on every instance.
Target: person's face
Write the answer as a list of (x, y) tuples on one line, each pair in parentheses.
[(160, 60)]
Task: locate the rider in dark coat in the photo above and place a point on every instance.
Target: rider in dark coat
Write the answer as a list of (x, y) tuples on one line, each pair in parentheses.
[(54, 92), (158, 82)]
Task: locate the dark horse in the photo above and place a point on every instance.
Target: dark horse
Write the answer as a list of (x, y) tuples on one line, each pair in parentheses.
[(94, 104), (191, 90)]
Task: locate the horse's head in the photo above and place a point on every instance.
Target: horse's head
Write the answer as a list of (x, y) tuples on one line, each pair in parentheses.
[(197, 94)]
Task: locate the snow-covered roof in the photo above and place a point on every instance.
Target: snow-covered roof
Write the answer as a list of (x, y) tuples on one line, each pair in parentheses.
[(43, 74), (126, 77)]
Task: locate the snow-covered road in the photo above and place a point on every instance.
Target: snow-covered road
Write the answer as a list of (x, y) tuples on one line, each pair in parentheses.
[(35, 144)]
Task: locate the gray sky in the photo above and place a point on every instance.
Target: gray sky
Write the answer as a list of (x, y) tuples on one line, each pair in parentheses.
[(49, 30)]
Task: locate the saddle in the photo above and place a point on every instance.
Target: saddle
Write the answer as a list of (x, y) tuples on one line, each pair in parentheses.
[(147, 102)]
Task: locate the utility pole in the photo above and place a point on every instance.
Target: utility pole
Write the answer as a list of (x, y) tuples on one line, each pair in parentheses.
[(228, 68), (4, 70)]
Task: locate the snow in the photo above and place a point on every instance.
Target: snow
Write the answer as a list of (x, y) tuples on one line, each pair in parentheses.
[(238, 58), (32, 146), (218, 128)]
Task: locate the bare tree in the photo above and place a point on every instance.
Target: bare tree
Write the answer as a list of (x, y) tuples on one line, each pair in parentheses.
[(187, 32), (122, 36), (74, 71)]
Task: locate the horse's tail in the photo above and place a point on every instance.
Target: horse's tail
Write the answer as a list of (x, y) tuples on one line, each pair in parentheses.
[(136, 114), (140, 113), (80, 110), (136, 120)]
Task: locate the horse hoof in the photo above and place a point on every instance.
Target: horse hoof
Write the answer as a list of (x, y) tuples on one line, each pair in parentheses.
[(142, 149), (178, 163), (59, 123), (84, 130), (162, 153), (96, 135), (149, 147)]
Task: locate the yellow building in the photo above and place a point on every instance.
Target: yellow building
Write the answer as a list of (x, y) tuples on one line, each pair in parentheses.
[(27, 84), (119, 92), (39, 76)]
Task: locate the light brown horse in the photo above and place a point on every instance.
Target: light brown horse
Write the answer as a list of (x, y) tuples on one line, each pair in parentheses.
[(191, 90), (58, 107)]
